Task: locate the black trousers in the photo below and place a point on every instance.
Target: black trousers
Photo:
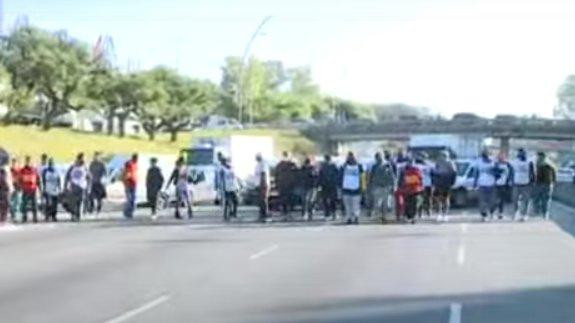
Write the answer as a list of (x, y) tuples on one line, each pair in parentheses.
[(329, 200), (412, 202), (263, 203)]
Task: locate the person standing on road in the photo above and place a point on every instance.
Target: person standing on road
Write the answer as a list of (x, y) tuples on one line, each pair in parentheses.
[(400, 162), (309, 178), (285, 179), (545, 178), (97, 190), (425, 167), (328, 183), (351, 173), (380, 185), (523, 179), (262, 178), (154, 184), (231, 185), (5, 189), (130, 180), (443, 177), (411, 182), (76, 183), (41, 168), (485, 183), (182, 178), (16, 195), (29, 181), (218, 181), (51, 190), (503, 184)]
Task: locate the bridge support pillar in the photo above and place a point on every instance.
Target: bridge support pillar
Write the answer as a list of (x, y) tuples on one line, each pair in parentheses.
[(504, 145)]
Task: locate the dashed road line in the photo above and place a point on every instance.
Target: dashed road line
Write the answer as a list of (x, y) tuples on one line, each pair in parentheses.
[(139, 310), (264, 252), (461, 255), (455, 313)]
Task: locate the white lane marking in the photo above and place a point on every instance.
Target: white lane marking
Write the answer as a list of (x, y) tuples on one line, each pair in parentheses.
[(139, 310), (455, 313), (264, 252), (464, 227), (461, 255)]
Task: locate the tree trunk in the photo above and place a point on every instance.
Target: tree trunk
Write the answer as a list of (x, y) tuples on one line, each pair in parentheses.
[(173, 135), (122, 125), (152, 135), (110, 122)]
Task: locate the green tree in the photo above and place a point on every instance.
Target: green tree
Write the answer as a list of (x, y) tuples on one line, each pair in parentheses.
[(50, 65)]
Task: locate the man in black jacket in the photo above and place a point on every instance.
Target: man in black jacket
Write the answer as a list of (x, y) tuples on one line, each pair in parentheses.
[(154, 183), (328, 182)]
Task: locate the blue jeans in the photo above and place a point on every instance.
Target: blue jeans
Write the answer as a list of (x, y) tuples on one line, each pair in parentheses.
[(486, 199), (130, 205)]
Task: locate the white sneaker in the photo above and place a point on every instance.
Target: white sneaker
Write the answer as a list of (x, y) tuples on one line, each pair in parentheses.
[(547, 217), (439, 218), (445, 218)]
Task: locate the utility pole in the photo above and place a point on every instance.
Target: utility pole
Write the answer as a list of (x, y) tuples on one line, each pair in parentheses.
[(240, 90)]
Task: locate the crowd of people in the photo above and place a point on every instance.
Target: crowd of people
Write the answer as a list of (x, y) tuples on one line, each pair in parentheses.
[(410, 184), (32, 189)]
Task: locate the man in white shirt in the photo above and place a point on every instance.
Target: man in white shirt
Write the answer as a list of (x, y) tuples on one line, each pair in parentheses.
[(485, 183), (523, 179), (262, 178), (51, 190)]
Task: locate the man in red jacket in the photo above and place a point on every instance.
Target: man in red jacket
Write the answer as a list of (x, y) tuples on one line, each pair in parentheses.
[(29, 182), (130, 179), (411, 183)]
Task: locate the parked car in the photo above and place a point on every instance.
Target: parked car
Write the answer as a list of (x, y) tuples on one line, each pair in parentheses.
[(463, 192), (566, 175)]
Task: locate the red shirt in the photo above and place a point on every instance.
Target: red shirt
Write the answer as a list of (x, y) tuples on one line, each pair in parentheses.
[(15, 173), (29, 179), (412, 180), (131, 174)]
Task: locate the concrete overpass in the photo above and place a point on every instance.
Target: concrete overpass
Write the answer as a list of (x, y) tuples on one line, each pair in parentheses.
[(331, 135)]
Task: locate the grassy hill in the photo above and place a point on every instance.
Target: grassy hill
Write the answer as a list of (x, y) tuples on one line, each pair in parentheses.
[(64, 144)]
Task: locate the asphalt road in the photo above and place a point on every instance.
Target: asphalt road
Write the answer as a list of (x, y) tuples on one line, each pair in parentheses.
[(205, 271)]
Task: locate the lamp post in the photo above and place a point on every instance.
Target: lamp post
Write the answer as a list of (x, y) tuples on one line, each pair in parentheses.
[(240, 91)]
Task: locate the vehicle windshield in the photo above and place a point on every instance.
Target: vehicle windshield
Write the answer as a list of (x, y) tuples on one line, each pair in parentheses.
[(199, 157)]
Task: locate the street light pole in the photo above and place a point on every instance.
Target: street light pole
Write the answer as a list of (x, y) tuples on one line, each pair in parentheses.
[(239, 92)]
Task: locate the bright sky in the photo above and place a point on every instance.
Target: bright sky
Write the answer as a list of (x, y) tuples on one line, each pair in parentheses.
[(488, 57)]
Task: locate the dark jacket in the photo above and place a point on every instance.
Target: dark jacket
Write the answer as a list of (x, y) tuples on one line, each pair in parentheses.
[(285, 175), (308, 177), (328, 176), (545, 174), (154, 180)]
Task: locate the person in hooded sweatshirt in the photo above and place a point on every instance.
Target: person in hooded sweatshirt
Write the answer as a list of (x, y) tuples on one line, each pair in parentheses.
[(503, 184), (485, 183), (523, 179), (309, 179), (411, 182), (351, 174), (443, 177), (381, 182)]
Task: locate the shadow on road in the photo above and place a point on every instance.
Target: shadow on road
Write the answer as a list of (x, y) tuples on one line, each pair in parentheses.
[(548, 304)]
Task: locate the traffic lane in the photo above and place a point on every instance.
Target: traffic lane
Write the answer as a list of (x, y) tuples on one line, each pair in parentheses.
[(80, 278), (309, 267), (226, 290)]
